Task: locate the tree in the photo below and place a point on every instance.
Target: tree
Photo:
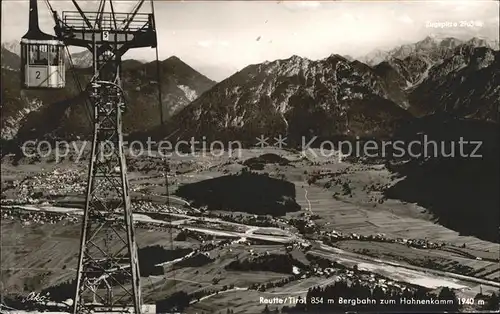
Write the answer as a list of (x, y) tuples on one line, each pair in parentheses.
[(300, 306), (493, 302), (448, 294), (266, 310), (378, 294)]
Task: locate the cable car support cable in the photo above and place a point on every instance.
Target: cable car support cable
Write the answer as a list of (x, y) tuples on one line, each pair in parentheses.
[(81, 91), (166, 166)]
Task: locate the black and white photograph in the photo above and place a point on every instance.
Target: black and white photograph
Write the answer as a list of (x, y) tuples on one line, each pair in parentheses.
[(233, 157)]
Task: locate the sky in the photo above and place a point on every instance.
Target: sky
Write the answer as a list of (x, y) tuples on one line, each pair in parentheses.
[(219, 38)]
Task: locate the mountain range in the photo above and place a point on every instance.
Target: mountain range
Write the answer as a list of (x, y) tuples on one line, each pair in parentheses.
[(63, 113), (338, 96), (296, 96), (335, 96), (433, 47)]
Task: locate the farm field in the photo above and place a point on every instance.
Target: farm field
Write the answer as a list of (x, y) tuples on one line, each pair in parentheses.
[(239, 301), (358, 214), (393, 218), (447, 261), (25, 269), (43, 255)]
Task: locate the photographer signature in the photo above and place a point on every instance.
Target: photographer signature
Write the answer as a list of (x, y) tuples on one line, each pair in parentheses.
[(36, 297)]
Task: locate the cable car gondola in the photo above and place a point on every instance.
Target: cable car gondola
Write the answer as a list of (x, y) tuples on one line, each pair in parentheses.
[(42, 56)]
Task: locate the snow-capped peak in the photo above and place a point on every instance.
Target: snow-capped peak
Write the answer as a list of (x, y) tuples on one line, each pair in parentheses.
[(190, 93), (13, 46)]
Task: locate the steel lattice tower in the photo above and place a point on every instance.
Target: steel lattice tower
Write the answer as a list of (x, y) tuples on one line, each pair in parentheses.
[(108, 275)]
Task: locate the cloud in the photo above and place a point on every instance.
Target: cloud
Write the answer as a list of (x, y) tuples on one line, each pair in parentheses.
[(494, 20), (205, 43), (301, 5), (349, 17), (212, 43), (405, 19)]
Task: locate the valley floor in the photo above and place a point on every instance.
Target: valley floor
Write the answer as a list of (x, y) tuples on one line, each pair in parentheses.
[(346, 217)]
